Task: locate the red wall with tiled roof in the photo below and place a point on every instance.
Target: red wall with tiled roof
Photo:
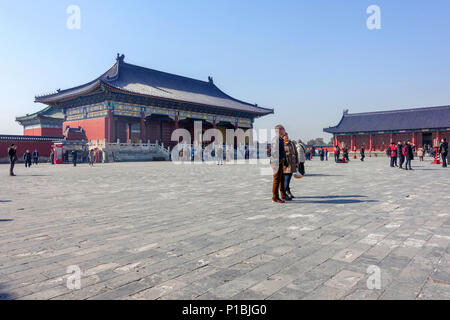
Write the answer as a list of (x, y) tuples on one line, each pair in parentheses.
[(95, 129)]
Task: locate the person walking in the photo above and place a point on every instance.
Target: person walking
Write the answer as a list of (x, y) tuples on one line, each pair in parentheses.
[(277, 161), (74, 157), (400, 155), (91, 157), (301, 151), (27, 159), (363, 154), (347, 159), (219, 155), (322, 154), (291, 164), (443, 150), (408, 154), (420, 153), (35, 157), (52, 156), (12, 153), (326, 154)]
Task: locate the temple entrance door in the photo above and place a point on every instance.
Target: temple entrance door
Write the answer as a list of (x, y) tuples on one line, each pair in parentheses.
[(427, 138)]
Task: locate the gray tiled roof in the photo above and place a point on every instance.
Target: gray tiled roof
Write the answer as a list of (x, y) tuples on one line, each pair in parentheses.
[(152, 83), (48, 112), (407, 119)]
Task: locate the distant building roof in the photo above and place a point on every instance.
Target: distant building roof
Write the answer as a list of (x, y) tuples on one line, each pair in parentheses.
[(407, 119), (136, 80), (47, 113)]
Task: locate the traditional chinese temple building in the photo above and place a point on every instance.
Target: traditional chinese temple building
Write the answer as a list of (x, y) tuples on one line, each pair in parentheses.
[(131, 103), (376, 130)]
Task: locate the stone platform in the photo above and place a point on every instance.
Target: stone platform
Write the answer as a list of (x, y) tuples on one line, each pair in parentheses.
[(164, 231)]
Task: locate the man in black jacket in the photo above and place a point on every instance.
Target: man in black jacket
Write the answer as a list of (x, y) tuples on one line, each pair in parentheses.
[(27, 158), (12, 153), (363, 153), (400, 155), (409, 155), (74, 157), (35, 157), (443, 150)]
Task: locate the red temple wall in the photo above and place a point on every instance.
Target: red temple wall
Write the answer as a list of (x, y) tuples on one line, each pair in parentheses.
[(41, 132), (95, 129), (43, 147)]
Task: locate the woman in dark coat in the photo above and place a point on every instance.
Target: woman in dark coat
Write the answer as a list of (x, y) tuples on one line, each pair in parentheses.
[(292, 163)]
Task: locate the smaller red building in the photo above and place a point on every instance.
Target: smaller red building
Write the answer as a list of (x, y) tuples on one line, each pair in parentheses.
[(376, 130), (47, 122)]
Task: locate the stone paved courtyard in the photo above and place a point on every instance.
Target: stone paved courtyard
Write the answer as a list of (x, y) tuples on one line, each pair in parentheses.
[(165, 231)]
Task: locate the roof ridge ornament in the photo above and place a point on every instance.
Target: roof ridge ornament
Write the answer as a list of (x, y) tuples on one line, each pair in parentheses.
[(120, 58), (345, 112), (210, 80)]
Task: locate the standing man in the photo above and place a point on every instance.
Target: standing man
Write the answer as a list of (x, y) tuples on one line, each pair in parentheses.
[(12, 153), (52, 156), (74, 157), (409, 155), (219, 155), (363, 154), (91, 157), (400, 154), (326, 154), (347, 159), (27, 158), (301, 150), (277, 161), (35, 157), (443, 150)]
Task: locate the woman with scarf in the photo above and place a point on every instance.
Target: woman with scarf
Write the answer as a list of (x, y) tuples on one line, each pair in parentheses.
[(291, 164)]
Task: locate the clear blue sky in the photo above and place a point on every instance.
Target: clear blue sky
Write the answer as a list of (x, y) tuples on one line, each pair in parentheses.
[(307, 59)]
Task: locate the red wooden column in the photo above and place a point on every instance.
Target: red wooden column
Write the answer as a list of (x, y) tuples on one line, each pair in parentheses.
[(214, 124), (109, 126), (414, 138), (176, 123), (392, 138), (370, 143), (128, 133), (142, 127)]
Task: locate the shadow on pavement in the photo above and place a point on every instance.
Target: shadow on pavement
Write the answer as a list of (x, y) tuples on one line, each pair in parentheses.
[(6, 220), (334, 201), (331, 197), (322, 175), (2, 201), (4, 295)]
